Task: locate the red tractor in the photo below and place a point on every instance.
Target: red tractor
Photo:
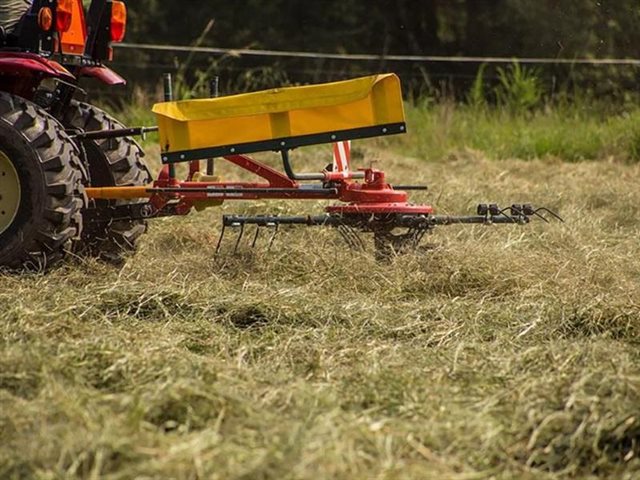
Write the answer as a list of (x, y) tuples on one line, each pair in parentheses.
[(44, 166)]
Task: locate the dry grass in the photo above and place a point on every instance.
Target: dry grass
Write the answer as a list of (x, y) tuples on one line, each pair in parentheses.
[(503, 353)]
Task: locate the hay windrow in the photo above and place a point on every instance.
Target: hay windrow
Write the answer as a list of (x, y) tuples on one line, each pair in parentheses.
[(501, 353)]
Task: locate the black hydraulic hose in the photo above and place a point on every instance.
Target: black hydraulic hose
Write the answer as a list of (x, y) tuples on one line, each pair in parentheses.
[(115, 133), (288, 169)]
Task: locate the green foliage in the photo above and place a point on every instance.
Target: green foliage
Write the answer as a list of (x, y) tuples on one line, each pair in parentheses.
[(519, 88), (571, 132), (259, 78), (190, 84), (477, 94), (508, 28)]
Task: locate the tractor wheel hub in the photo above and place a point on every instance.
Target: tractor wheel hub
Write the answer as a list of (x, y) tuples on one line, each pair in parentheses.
[(10, 192)]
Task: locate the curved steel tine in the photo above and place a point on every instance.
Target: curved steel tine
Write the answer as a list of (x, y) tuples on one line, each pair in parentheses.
[(520, 211), (353, 239), (408, 240), (522, 216), (508, 209), (357, 238), (340, 229), (224, 227), (399, 243), (240, 235), (359, 244), (552, 213), (419, 235), (344, 233), (273, 235), (540, 216), (423, 232), (255, 237)]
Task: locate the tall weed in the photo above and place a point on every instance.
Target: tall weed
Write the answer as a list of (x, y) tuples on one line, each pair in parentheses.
[(519, 88), (477, 97)]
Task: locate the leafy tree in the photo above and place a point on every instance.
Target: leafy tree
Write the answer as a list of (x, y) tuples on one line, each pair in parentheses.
[(512, 28)]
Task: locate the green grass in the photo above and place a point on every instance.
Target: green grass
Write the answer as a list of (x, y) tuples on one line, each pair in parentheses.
[(571, 133), (503, 352)]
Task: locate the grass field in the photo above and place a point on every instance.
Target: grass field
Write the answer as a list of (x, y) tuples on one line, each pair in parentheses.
[(504, 352)]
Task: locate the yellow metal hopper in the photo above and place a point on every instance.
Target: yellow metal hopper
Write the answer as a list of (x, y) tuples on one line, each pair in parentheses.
[(282, 118)]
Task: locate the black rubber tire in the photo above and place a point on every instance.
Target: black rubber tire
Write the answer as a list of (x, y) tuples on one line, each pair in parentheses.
[(111, 163), (50, 172)]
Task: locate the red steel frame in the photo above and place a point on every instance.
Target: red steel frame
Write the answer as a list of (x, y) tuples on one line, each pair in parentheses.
[(373, 195)]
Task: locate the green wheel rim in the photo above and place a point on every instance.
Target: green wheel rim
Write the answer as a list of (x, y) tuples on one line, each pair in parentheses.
[(9, 192)]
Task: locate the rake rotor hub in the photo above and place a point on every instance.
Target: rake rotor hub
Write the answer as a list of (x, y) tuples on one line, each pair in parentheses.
[(374, 190)]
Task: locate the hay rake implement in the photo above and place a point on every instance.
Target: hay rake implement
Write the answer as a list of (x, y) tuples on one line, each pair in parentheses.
[(282, 120), (384, 227)]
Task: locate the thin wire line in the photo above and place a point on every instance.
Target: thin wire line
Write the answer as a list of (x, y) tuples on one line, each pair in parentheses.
[(362, 56)]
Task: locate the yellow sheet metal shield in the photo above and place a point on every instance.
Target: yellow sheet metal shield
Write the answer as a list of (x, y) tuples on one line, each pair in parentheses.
[(280, 113)]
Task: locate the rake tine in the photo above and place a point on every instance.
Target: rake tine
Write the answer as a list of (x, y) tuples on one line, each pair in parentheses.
[(255, 237), (551, 212), (540, 216), (344, 235), (224, 227), (414, 235), (508, 209), (352, 238), (273, 235), (235, 249), (358, 240), (522, 214), (417, 235), (423, 232), (385, 246), (347, 234), (409, 240), (405, 240)]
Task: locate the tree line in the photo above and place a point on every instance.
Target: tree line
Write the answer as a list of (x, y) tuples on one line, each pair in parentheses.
[(509, 28)]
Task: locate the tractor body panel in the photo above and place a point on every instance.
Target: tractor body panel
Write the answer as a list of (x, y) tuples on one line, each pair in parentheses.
[(102, 73), (24, 63), (73, 41), (22, 72)]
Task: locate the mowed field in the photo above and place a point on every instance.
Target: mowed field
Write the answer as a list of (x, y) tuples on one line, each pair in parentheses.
[(498, 352)]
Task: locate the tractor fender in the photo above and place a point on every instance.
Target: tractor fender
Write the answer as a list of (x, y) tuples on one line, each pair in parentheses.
[(104, 74), (21, 73), (23, 64)]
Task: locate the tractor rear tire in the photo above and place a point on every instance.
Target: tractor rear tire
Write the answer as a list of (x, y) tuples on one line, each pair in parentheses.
[(113, 162), (41, 191)]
